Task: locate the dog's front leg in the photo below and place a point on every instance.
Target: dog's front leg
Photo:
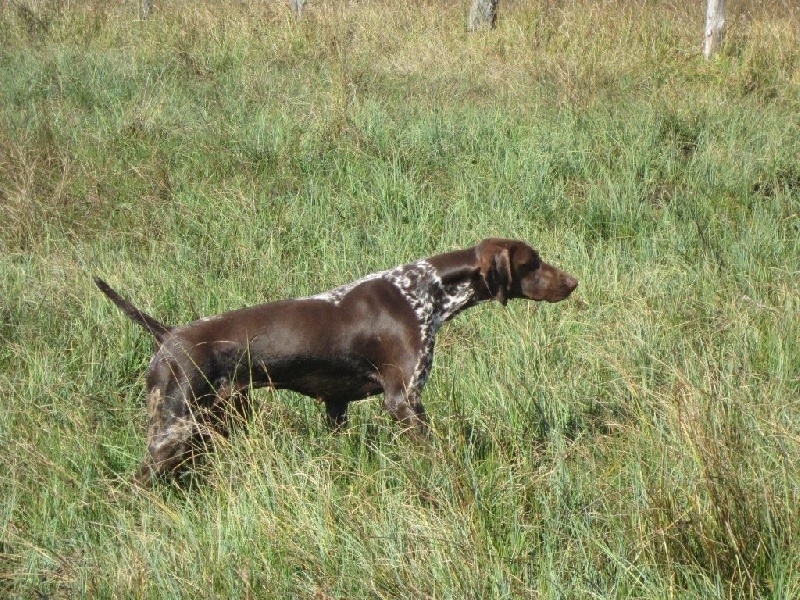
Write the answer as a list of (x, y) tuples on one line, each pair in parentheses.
[(407, 409)]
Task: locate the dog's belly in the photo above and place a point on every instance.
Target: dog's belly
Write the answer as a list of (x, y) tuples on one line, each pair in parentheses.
[(329, 378)]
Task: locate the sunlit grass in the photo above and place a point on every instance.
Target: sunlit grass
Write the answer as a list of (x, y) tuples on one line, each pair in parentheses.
[(640, 440)]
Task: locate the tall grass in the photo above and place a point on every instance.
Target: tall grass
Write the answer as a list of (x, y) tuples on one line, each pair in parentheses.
[(639, 440)]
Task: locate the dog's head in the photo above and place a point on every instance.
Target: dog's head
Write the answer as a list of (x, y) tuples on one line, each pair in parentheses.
[(512, 269)]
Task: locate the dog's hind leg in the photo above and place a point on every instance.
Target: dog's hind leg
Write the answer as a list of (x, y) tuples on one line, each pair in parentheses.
[(230, 409), (336, 411), (171, 429)]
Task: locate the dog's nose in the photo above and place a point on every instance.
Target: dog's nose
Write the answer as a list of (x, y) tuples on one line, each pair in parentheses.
[(570, 282)]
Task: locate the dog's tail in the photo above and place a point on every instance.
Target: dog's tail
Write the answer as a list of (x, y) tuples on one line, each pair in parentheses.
[(156, 328)]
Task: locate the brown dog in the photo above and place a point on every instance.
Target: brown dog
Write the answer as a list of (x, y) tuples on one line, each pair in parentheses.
[(372, 336)]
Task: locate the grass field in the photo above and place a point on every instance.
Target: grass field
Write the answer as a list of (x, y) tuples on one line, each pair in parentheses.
[(641, 440)]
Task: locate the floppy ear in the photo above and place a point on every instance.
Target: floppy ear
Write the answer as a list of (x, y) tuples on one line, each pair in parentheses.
[(496, 272)]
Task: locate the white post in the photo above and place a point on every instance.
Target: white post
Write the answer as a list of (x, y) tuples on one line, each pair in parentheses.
[(482, 15), (297, 6), (147, 6), (715, 23)]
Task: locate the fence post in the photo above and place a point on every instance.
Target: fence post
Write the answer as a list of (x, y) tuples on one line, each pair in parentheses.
[(297, 6), (715, 23), (482, 15)]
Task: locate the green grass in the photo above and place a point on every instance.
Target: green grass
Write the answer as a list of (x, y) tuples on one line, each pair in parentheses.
[(639, 440)]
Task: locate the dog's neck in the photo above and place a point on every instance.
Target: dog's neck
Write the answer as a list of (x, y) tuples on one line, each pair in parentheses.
[(461, 268), (455, 283)]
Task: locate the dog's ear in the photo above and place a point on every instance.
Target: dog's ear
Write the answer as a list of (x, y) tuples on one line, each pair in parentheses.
[(496, 271)]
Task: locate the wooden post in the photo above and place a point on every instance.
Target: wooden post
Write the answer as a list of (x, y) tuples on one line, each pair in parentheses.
[(297, 6), (715, 23), (482, 15)]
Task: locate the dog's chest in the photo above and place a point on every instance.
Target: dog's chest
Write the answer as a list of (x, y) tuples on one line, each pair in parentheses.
[(432, 302)]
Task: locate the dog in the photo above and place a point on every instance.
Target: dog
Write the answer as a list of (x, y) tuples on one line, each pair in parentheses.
[(374, 335)]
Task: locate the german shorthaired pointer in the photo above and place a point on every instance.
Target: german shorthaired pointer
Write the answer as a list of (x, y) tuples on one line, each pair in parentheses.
[(370, 336)]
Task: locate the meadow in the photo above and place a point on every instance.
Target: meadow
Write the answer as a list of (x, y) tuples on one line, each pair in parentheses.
[(640, 440)]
